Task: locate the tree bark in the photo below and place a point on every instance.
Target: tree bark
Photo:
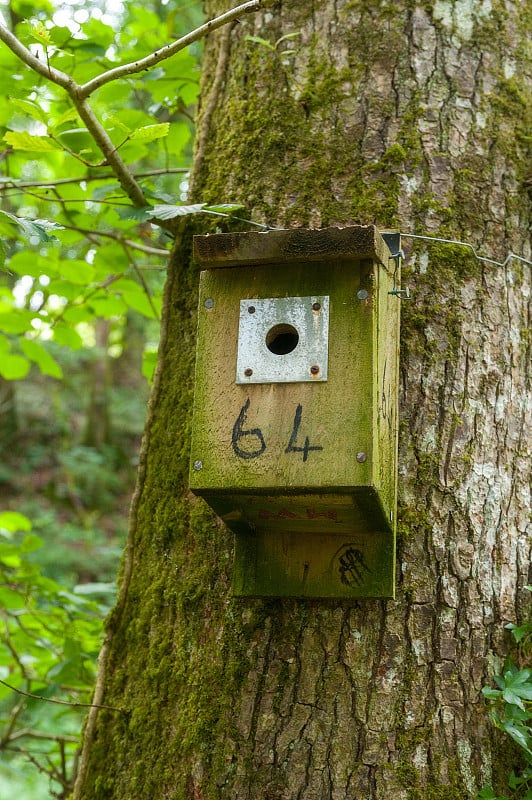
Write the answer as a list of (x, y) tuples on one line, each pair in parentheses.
[(407, 115)]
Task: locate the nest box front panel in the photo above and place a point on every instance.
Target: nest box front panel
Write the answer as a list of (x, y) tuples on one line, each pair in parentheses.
[(303, 425)]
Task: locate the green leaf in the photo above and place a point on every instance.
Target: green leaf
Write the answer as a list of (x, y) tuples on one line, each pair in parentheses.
[(519, 735), (491, 694), (70, 115), (31, 543), (260, 40), (37, 353), (31, 144), (26, 262), (36, 230), (115, 122), (224, 208), (60, 35), (16, 320), (169, 212), (149, 362), (12, 521), (77, 271), (39, 33), (108, 306), (149, 133), (67, 336), (102, 192), (13, 367), (133, 213), (136, 298), (487, 793), (519, 632), (32, 109)]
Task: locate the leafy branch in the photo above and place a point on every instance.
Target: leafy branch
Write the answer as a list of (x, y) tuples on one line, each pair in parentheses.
[(510, 706), (79, 93)]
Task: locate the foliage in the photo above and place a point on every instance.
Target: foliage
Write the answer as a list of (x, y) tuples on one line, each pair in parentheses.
[(511, 710), (48, 650), (73, 249)]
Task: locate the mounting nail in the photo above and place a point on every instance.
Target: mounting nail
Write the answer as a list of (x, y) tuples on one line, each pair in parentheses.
[(198, 465), (361, 457), (362, 294), (209, 302)]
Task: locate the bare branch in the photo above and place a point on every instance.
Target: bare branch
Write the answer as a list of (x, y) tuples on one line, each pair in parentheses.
[(60, 702), (102, 139), (24, 732), (170, 49), (154, 251), (25, 55), (9, 184)]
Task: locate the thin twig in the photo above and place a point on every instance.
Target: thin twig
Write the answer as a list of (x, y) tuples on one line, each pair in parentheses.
[(169, 50), (29, 732), (60, 702), (142, 281), (8, 184), (154, 251)]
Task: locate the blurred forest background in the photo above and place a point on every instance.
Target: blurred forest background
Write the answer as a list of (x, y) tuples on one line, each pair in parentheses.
[(81, 276)]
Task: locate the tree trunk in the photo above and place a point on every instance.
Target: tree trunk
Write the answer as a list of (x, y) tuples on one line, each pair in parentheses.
[(407, 115)]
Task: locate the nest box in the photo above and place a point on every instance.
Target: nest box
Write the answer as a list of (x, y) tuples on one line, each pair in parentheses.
[(294, 440)]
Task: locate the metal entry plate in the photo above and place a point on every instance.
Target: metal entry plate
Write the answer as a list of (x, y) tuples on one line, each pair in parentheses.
[(297, 324)]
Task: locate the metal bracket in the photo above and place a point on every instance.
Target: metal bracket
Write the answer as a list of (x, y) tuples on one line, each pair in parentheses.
[(393, 242)]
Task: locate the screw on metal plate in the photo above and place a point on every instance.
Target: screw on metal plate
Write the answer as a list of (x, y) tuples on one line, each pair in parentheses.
[(248, 372), (361, 457), (209, 302), (314, 370), (251, 309), (362, 294), (316, 306), (198, 465)]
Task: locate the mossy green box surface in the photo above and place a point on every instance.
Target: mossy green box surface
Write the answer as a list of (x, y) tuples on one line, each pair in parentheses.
[(303, 470)]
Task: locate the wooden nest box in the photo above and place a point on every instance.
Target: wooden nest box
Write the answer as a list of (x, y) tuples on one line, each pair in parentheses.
[(294, 440)]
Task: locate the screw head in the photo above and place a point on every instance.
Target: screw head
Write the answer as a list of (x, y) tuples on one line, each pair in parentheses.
[(362, 294), (198, 465), (209, 303), (251, 309), (316, 306), (361, 457), (248, 372), (314, 370)]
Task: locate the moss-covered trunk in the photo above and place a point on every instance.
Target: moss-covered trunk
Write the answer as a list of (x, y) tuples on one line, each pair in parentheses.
[(405, 114)]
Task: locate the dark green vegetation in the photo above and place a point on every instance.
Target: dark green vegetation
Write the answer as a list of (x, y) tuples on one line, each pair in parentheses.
[(510, 704)]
